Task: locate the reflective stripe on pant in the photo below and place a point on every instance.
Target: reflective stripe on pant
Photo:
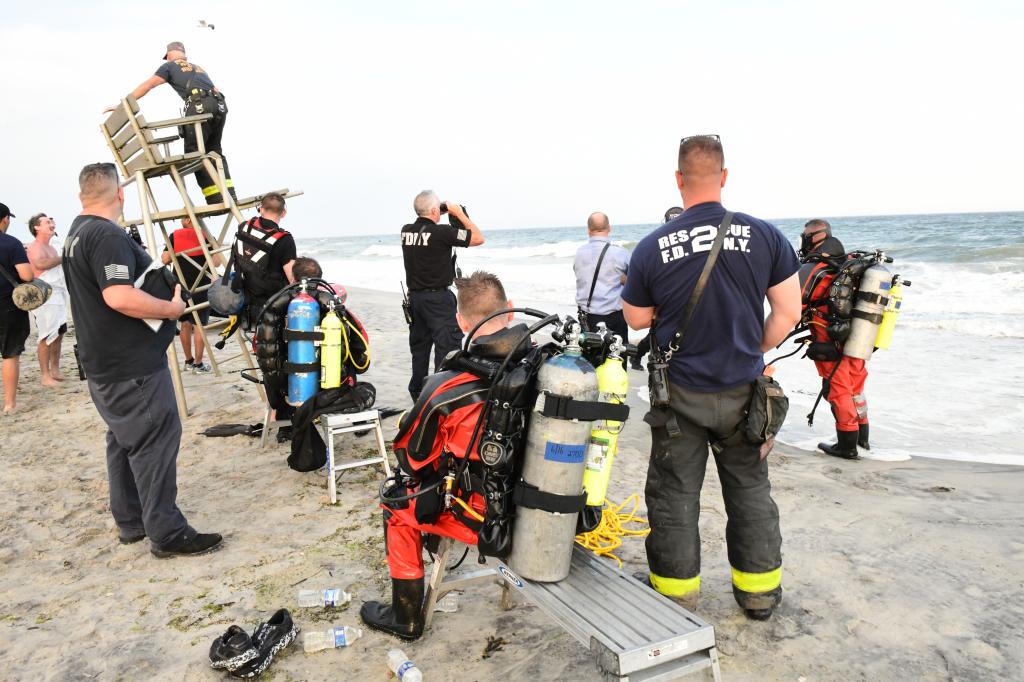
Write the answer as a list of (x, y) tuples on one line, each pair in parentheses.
[(846, 391), (433, 325), (143, 436), (674, 480), (405, 537)]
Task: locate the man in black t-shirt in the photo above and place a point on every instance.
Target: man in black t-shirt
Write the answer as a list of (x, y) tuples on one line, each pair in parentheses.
[(126, 367), (14, 326), (201, 96), (429, 272)]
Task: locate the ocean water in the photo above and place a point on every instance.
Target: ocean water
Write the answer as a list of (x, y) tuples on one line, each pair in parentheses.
[(952, 384)]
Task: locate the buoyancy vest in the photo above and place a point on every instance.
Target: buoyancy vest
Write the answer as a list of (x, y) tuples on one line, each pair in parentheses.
[(253, 244), (828, 289), (442, 420)]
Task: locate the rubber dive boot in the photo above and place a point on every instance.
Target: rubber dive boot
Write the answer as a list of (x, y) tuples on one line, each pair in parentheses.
[(862, 437), (846, 447), (403, 617)]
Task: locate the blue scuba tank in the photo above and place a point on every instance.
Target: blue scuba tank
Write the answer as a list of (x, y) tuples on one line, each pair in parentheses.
[(303, 316)]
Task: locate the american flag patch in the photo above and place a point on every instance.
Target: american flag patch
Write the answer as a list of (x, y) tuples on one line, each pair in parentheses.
[(463, 234), (114, 271)]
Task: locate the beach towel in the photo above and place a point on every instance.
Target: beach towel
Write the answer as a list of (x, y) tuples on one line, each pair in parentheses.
[(51, 315)]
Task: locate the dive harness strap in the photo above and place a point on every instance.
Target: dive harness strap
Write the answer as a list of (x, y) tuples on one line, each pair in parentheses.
[(873, 318), (872, 298), (301, 368), (568, 408), (532, 497), (299, 335)]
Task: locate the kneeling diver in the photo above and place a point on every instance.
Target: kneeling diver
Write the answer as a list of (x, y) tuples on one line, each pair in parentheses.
[(460, 397)]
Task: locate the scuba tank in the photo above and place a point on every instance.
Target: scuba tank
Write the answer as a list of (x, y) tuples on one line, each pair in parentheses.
[(612, 386), (872, 297), (330, 349), (303, 373), (892, 311), (553, 461)]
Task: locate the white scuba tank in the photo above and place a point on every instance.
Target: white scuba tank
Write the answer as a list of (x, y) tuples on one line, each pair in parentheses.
[(871, 298), (554, 459)]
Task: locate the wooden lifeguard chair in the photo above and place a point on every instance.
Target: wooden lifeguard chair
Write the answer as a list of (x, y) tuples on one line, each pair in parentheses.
[(142, 156)]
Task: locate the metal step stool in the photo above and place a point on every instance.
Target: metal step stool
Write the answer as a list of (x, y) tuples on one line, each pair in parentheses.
[(634, 633), (334, 424)]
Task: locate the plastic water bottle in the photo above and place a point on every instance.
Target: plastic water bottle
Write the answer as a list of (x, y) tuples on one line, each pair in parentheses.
[(404, 669), (449, 603), (318, 640), (328, 598)]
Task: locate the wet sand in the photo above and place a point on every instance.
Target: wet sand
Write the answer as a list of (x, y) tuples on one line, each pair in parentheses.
[(908, 570)]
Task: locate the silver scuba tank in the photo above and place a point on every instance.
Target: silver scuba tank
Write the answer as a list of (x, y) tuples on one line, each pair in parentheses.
[(554, 459), (871, 298)]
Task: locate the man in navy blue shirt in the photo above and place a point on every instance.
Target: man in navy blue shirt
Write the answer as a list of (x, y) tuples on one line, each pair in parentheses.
[(711, 377), (14, 325)]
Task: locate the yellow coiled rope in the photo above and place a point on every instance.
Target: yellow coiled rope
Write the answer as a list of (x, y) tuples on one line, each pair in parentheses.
[(607, 537)]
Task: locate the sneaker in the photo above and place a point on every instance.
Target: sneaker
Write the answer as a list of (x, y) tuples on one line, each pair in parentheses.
[(190, 543), (232, 650), (202, 368), (190, 366), (269, 638)]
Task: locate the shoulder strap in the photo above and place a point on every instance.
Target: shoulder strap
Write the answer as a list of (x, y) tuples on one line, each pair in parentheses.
[(698, 290), (593, 284)]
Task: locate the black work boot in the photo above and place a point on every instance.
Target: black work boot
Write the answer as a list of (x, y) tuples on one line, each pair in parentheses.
[(846, 447), (862, 437), (758, 605), (403, 617)]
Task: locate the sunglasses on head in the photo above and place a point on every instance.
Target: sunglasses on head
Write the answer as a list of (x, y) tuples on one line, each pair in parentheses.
[(683, 141)]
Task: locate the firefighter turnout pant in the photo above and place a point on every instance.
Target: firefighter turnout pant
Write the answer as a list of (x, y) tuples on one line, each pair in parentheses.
[(845, 391), (674, 479), (212, 131), (403, 536)]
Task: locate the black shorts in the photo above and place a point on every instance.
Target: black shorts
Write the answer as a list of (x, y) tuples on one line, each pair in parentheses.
[(14, 328)]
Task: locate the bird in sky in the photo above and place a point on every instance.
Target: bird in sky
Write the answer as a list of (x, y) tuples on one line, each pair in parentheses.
[(203, 24)]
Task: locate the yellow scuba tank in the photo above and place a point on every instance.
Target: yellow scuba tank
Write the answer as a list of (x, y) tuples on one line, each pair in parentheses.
[(330, 350), (892, 311), (612, 386)]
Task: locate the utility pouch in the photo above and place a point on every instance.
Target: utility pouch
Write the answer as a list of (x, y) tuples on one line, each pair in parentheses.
[(430, 504), (766, 411), (657, 380), (823, 351)]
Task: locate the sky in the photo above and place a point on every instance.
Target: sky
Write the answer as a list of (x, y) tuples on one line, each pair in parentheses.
[(535, 114)]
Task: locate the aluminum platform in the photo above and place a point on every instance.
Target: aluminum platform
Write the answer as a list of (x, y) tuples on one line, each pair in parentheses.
[(633, 632)]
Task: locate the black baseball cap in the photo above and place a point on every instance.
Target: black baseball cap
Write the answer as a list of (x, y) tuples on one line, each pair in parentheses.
[(672, 213), (4, 212)]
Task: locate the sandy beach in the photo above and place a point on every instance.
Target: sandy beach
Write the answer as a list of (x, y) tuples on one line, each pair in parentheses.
[(909, 570)]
